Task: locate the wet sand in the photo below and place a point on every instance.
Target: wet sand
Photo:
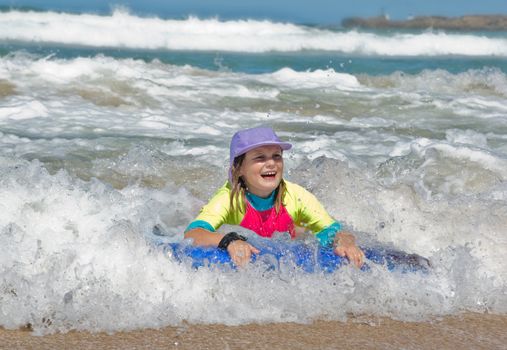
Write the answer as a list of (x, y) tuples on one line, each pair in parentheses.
[(467, 331)]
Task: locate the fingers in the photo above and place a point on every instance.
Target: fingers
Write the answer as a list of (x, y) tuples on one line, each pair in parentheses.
[(340, 250), (241, 252), (353, 253), (358, 258)]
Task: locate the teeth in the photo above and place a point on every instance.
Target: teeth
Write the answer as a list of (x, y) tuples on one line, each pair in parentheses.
[(269, 174)]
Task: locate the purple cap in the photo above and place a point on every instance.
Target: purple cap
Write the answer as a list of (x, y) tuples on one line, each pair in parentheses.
[(248, 139)]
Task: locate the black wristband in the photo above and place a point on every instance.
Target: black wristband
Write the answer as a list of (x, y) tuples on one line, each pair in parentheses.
[(229, 238)]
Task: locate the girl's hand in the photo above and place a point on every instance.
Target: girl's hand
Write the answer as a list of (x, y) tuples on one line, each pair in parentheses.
[(240, 252), (345, 246)]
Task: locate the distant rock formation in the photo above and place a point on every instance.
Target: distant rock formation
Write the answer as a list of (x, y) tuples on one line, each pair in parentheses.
[(473, 22)]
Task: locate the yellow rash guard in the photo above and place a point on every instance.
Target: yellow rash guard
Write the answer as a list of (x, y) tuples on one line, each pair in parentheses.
[(302, 206)]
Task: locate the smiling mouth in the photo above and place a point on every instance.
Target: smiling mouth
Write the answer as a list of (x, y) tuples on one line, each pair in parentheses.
[(269, 175)]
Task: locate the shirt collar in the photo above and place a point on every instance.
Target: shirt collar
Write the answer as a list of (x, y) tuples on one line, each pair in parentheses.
[(259, 203)]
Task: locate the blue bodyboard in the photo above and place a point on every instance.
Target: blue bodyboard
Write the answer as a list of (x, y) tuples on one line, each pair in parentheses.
[(309, 258)]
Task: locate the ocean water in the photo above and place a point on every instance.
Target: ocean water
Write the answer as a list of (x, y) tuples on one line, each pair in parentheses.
[(111, 124)]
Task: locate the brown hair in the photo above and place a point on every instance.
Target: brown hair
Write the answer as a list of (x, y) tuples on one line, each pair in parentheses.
[(238, 192)]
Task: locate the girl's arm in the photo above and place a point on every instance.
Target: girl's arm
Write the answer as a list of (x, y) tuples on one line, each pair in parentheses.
[(212, 216), (240, 251), (204, 237), (312, 213)]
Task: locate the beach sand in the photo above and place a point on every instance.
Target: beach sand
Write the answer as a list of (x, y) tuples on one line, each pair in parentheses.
[(466, 331)]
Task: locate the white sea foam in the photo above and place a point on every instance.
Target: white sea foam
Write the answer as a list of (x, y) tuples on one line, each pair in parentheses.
[(97, 150), (424, 148), (23, 110), (77, 256), (402, 214), (101, 96), (313, 79), (121, 29), (489, 82)]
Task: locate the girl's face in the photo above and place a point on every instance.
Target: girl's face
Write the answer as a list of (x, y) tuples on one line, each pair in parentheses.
[(262, 170)]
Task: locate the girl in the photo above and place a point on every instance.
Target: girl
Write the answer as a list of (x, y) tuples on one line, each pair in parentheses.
[(257, 197)]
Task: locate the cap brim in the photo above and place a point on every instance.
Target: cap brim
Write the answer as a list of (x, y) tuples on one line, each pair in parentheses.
[(283, 145)]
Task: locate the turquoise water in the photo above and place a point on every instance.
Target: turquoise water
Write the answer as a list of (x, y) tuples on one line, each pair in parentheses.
[(270, 62)]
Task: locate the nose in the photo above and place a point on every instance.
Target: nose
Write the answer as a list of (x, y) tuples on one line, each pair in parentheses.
[(271, 162)]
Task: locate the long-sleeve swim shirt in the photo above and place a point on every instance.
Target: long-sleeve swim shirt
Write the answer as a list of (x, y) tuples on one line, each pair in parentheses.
[(302, 206)]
